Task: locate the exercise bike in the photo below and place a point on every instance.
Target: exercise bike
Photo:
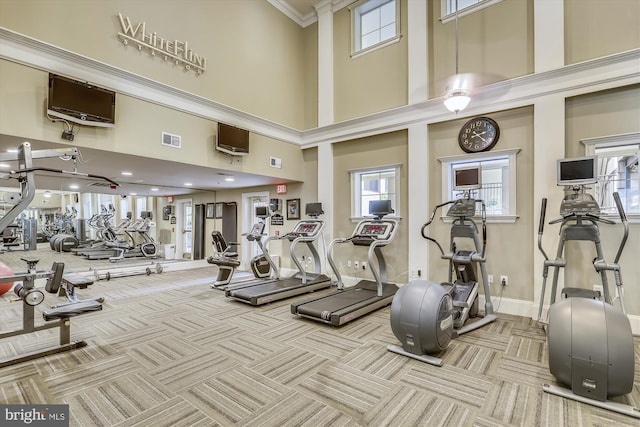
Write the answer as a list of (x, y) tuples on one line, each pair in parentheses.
[(426, 315), (226, 257), (590, 341)]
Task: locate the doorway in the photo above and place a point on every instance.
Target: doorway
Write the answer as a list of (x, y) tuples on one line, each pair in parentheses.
[(250, 202), (184, 232)]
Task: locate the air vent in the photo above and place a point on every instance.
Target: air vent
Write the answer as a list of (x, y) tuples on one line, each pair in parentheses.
[(100, 184), (170, 140)]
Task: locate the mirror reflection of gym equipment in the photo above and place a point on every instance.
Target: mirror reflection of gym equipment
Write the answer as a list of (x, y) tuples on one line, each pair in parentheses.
[(426, 315), (589, 336)]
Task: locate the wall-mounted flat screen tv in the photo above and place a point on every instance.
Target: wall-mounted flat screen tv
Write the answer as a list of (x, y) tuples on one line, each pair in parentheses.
[(80, 102), (232, 140)]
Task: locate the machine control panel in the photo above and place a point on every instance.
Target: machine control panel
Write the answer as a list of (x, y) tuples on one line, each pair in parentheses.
[(305, 229), (367, 232), (462, 208), (579, 204)]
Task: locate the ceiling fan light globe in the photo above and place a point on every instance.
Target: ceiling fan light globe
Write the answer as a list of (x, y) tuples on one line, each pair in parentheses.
[(457, 101)]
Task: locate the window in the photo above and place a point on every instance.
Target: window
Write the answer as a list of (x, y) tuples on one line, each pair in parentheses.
[(498, 181), (374, 184), (375, 23), (617, 172), (465, 7)]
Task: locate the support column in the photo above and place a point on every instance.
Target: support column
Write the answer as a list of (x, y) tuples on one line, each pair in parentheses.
[(418, 196), (325, 62), (548, 21), (417, 38), (325, 193)]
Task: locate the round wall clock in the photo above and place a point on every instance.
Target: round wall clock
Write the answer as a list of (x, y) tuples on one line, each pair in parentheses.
[(478, 134)]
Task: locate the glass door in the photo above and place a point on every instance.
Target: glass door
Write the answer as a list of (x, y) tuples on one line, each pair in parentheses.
[(187, 230)]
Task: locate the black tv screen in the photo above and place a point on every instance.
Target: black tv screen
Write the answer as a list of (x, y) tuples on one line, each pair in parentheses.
[(80, 102), (232, 140)]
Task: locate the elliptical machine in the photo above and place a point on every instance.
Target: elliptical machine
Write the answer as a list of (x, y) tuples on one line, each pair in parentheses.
[(590, 341), (226, 258), (426, 315)]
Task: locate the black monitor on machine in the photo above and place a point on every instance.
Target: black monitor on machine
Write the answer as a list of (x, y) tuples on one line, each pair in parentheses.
[(577, 171), (467, 179)]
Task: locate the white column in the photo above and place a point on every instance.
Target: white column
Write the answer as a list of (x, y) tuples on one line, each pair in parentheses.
[(548, 21), (325, 193), (417, 51), (325, 62), (548, 147), (418, 194)]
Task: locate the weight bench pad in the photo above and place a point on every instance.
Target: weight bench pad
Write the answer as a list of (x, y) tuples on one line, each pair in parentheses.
[(71, 310), (76, 280)]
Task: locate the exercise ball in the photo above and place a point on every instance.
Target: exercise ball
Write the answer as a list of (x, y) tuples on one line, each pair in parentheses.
[(4, 272), (421, 317), (591, 348)]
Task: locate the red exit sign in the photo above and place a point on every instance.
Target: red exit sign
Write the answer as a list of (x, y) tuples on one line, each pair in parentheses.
[(281, 189)]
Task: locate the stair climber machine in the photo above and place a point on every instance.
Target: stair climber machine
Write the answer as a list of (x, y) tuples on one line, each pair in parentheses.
[(591, 348), (275, 288), (426, 315), (226, 259), (366, 296)]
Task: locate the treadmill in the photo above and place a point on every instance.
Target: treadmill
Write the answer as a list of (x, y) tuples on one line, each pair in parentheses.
[(261, 292), (366, 296)]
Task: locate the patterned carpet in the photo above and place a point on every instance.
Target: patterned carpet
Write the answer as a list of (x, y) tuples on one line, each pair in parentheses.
[(167, 350)]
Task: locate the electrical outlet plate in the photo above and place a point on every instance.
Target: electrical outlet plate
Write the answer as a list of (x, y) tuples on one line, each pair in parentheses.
[(504, 279), (356, 265), (364, 265)]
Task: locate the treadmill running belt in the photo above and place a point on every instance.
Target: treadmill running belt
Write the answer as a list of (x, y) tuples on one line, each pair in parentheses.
[(335, 302)]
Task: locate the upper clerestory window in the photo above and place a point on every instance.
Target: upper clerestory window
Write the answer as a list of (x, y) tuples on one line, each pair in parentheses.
[(374, 24)]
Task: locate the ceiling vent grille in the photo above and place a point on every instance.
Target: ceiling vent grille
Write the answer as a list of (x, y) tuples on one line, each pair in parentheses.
[(100, 184), (170, 140)]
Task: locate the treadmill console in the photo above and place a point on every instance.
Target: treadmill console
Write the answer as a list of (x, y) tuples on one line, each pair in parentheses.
[(368, 232), (462, 208), (256, 231), (579, 204), (304, 229)]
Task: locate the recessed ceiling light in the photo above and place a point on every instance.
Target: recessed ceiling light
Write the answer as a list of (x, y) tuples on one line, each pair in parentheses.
[(155, 189), (229, 179), (74, 186), (126, 173), (47, 193), (132, 194), (188, 184), (5, 165), (12, 150)]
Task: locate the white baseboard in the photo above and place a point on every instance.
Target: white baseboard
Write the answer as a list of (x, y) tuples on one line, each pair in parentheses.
[(524, 308)]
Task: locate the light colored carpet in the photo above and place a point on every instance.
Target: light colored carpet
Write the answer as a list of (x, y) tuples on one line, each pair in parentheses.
[(167, 350)]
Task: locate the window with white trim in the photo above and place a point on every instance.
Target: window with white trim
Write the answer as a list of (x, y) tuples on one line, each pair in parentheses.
[(374, 23), (617, 172), (465, 7), (380, 183), (498, 181)]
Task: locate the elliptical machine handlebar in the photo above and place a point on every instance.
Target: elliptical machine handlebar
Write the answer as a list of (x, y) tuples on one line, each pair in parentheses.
[(543, 212), (625, 223), (430, 220)]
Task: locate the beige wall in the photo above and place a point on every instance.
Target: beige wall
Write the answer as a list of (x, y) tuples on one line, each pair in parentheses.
[(138, 130), (509, 246), (256, 55), (601, 114), (372, 82), (379, 150), (595, 28), (495, 44)]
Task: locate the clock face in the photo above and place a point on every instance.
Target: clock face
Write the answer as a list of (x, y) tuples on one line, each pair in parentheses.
[(478, 134)]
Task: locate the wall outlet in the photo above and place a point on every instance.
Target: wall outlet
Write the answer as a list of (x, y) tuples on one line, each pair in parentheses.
[(504, 280), (364, 265), (490, 279), (349, 264), (356, 265)]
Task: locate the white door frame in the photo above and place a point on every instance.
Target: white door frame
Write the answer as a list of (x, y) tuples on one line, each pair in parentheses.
[(247, 218), (179, 227)]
